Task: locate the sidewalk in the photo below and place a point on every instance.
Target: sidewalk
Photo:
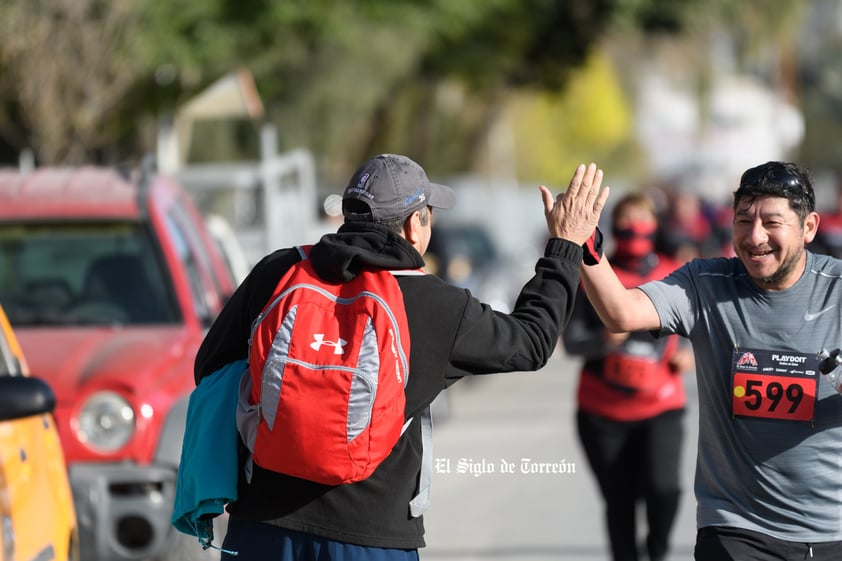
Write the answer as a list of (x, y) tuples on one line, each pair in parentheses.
[(511, 482)]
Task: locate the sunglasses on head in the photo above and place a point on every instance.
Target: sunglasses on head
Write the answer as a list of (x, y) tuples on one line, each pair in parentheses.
[(780, 177)]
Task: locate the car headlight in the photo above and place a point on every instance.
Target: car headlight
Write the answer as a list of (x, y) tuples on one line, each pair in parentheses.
[(106, 422)]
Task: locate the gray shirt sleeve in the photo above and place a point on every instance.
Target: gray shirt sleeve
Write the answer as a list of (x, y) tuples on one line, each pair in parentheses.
[(675, 300)]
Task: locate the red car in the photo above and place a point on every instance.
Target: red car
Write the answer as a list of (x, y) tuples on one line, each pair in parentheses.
[(110, 281)]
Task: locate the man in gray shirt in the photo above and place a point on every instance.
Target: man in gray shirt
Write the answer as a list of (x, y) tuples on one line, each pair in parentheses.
[(769, 468)]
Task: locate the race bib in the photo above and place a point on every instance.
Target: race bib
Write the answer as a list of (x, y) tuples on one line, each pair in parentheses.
[(778, 385)]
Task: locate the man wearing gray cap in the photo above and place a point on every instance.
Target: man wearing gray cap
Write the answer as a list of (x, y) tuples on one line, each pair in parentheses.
[(388, 206)]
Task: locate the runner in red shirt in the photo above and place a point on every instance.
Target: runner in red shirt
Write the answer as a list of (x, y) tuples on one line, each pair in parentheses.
[(631, 396)]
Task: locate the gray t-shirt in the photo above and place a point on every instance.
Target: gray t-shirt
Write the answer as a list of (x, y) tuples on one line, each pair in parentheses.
[(779, 477)]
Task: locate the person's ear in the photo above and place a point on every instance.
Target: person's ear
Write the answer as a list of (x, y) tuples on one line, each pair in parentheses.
[(811, 226), (412, 228)]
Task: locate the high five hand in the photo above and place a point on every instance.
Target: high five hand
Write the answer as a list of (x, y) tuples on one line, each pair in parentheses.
[(574, 214)]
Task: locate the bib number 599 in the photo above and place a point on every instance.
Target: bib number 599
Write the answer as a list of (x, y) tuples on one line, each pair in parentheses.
[(774, 397)]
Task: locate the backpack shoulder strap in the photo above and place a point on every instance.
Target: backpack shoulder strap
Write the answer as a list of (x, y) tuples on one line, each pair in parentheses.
[(303, 250), (421, 502)]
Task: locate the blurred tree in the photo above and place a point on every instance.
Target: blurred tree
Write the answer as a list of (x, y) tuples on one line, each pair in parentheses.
[(67, 65), (85, 80), (590, 120), (440, 102), (820, 79)]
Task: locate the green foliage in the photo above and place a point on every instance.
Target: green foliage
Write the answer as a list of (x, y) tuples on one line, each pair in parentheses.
[(587, 122), (669, 17), (520, 42), (345, 78)]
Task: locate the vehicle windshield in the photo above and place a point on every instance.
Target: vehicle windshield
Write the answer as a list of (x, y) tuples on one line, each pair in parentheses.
[(67, 274)]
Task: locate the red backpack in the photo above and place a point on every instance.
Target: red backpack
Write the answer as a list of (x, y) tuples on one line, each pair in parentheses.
[(328, 366)]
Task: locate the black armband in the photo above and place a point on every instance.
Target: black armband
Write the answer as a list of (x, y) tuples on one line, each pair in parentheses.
[(592, 249)]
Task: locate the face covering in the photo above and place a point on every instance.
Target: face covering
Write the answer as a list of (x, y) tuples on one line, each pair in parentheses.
[(636, 240)]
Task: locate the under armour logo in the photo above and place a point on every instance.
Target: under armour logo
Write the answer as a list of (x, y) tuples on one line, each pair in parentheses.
[(319, 340)]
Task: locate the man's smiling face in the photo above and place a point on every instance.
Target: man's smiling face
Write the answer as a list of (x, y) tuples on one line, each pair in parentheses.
[(769, 239)]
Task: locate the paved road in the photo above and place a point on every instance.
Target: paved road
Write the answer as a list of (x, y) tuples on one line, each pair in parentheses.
[(481, 513)]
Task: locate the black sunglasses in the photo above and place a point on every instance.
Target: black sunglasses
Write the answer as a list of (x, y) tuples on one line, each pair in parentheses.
[(776, 176), (790, 182)]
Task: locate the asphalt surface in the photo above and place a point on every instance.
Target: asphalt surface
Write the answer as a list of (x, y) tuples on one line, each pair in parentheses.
[(511, 482)]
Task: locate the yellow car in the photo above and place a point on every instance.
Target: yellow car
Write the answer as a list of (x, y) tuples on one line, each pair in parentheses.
[(37, 520)]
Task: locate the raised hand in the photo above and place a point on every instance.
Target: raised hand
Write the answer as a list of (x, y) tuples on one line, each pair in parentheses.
[(574, 214)]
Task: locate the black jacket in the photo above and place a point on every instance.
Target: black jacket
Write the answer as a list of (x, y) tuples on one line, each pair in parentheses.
[(452, 334)]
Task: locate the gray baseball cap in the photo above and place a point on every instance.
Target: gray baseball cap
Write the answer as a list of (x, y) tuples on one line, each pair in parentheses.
[(394, 187)]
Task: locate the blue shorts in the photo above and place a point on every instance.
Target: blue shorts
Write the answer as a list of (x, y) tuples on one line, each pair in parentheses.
[(255, 541)]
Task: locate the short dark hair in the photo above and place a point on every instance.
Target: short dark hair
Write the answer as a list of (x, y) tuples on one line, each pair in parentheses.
[(778, 179)]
